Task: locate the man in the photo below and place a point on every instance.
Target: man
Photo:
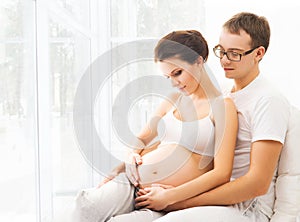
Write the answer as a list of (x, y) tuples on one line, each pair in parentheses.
[(263, 118)]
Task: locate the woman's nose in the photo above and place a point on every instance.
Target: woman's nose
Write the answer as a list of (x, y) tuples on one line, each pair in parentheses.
[(175, 82)]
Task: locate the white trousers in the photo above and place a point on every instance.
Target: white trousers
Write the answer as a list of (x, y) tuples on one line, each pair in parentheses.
[(114, 201), (243, 212), (196, 214)]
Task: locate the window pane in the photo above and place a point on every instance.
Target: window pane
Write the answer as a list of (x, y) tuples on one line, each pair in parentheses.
[(142, 109), (78, 9), (11, 19), (17, 112), (69, 56), (132, 18)]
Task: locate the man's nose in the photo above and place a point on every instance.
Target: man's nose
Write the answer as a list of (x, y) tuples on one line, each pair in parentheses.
[(225, 59)]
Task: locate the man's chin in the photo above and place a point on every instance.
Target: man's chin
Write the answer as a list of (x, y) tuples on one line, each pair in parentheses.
[(229, 76)]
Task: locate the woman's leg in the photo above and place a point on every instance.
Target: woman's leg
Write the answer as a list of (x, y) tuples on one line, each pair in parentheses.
[(142, 215), (97, 205)]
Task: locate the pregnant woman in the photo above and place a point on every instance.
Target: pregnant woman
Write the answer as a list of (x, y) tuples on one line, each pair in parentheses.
[(196, 129)]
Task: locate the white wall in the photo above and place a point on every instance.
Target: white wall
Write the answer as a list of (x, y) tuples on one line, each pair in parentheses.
[(281, 61)]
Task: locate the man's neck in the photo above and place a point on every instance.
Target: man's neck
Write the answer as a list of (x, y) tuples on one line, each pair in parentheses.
[(243, 82)]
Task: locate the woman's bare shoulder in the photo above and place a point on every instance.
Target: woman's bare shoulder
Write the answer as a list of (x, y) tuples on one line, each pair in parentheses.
[(168, 102)]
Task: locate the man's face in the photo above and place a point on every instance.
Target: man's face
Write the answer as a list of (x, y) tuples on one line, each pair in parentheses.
[(237, 43)]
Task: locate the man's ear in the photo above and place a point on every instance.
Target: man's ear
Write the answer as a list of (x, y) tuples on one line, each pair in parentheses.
[(261, 52)]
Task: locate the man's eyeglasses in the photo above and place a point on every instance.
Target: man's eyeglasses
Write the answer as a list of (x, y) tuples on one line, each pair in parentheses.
[(231, 55)]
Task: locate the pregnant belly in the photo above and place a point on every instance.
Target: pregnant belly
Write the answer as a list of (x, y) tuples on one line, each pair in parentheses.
[(171, 164)]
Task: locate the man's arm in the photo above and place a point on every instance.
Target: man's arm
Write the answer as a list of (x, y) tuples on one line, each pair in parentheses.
[(263, 162)]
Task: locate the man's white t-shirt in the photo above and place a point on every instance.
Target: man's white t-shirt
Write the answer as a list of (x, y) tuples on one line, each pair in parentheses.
[(263, 114)]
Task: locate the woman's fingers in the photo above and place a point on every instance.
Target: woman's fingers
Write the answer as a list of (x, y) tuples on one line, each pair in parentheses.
[(141, 201), (132, 174), (141, 192), (131, 168), (138, 159)]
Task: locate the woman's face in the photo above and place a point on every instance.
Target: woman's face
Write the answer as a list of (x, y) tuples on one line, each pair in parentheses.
[(183, 75)]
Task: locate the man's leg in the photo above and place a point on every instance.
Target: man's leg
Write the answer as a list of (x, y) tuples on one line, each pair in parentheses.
[(142, 215), (204, 214), (97, 205)]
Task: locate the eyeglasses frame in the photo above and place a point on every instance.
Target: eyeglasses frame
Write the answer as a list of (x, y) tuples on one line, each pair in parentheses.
[(240, 54)]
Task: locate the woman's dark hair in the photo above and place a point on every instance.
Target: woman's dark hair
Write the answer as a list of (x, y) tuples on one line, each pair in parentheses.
[(186, 45)]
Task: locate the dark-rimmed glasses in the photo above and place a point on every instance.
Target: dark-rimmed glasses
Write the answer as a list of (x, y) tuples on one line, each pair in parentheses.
[(231, 55)]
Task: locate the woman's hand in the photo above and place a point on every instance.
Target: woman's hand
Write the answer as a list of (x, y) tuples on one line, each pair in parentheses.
[(154, 198), (131, 168)]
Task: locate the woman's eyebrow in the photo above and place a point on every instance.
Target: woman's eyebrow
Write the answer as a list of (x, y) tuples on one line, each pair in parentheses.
[(172, 72)]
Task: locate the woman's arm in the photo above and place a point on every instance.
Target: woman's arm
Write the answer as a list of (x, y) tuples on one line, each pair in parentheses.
[(226, 125), (115, 172), (142, 145), (149, 132)]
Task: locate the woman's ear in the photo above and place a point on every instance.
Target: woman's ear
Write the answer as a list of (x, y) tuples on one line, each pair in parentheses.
[(199, 60)]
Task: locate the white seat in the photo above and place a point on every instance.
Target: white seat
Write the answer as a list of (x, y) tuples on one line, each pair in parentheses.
[(287, 188)]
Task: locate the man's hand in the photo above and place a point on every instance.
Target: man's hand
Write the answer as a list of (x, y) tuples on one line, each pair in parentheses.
[(176, 206), (154, 198)]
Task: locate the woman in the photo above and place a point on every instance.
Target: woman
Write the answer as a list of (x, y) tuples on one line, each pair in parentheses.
[(195, 126)]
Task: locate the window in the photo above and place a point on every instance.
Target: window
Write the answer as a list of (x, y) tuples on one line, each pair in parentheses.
[(135, 20), (64, 51), (43, 61), (47, 47), (17, 112)]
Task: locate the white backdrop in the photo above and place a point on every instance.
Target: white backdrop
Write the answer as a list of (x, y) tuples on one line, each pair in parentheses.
[(281, 62)]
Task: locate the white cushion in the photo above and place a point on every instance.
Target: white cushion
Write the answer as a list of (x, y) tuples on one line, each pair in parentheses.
[(287, 188)]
